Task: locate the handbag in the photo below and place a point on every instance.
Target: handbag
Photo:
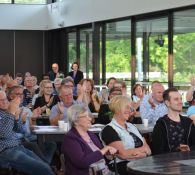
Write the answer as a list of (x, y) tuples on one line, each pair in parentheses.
[(100, 168)]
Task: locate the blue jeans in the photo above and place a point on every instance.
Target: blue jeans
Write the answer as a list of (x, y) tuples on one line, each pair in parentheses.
[(25, 161)]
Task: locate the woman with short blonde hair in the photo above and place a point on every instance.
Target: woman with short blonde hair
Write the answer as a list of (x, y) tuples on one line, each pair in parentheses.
[(123, 135)]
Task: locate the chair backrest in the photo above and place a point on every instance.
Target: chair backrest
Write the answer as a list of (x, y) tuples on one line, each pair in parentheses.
[(63, 164), (43, 121)]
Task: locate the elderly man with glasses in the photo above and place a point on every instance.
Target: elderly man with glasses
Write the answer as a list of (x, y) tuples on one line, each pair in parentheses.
[(11, 149)]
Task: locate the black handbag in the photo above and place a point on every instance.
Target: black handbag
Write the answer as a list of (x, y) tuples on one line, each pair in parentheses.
[(100, 168)]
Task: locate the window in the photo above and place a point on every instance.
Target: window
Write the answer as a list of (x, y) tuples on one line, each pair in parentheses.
[(71, 48), (152, 50), (5, 1), (184, 45), (118, 50), (30, 1), (86, 52)]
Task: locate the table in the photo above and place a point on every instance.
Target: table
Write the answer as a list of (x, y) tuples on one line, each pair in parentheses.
[(143, 129), (177, 163), (53, 133), (48, 133)]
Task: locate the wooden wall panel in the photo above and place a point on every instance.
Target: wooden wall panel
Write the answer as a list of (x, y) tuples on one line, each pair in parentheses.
[(6, 52)]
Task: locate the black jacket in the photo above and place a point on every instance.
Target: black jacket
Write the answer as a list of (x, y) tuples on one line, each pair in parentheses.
[(160, 138), (77, 78)]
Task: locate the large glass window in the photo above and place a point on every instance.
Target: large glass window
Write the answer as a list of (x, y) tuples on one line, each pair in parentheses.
[(184, 46), (86, 52), (5, 1), (71, 48), (152, 50), (118, 50), (30, 1)]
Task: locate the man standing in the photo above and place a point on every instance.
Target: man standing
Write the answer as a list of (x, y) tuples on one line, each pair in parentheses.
[(152, 107), (55, 73), (173, 132)]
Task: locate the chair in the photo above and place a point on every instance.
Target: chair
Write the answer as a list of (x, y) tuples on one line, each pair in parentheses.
[(43, 121), (63, 167)]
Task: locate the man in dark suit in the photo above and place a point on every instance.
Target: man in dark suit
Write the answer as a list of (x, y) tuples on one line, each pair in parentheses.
[(55, 73)]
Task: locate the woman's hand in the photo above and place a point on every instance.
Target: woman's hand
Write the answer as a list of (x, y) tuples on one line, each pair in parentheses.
[(36, 113), (108, 149), (145, 149), (137, 155)]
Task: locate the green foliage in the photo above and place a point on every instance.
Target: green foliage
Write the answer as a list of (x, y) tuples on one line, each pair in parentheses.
[(118, 56), (184, 56), (158, 56)]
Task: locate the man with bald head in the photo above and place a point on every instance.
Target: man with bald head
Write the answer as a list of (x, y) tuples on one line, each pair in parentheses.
[(152, 106), (54, 73)]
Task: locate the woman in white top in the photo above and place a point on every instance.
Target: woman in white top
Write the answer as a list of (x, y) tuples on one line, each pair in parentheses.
[(125, 136)]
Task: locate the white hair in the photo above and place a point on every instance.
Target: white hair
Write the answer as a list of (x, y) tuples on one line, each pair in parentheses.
[(74, 112)]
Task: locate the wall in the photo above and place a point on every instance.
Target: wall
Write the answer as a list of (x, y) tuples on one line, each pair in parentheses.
[(23, 17), (74, 12), (22, 51)]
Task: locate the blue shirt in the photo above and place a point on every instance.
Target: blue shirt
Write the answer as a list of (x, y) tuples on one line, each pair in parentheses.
[(55, 111), (150, 113)]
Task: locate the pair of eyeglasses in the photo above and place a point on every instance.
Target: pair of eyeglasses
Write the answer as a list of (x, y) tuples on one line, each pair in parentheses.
[(48, 87)]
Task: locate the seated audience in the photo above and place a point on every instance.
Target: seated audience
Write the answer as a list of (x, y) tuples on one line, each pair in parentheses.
[(11, 149), (173, 132), (45, 77), (29, 91), (105, 115), (81, 147), (68, 82), (190, 97), (88, 95), (35, 85), (123, 136), (5, 79), (152, 106), (59, 111), (25, 135), (46, 100), (122, 85), (104, 93), (57, 84), (138, 95), (19, 78)]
